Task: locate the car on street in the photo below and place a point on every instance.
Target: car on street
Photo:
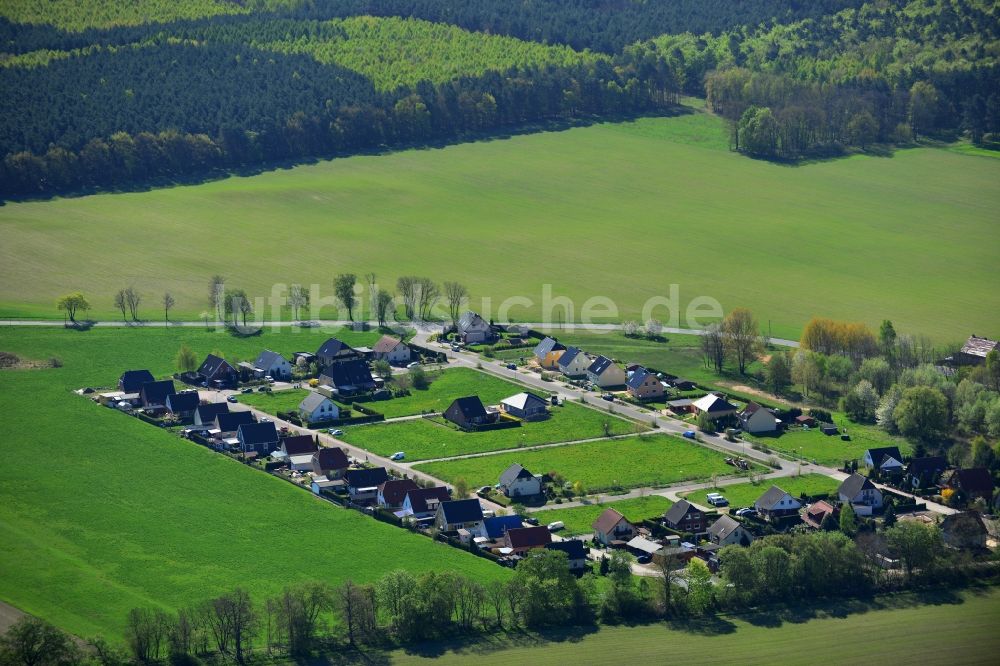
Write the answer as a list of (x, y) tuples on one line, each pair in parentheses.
[(264, 389), (232, 398), (689, 434), (512, 366), (398, 455), (265, 420), (335, 432), (247, 390), (610, 397), (456, 348), (715, 499), (744, 512)]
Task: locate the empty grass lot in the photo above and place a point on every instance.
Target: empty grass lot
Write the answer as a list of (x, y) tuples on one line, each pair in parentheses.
[(651, 460), (745, 494), (423, 439), (445, 386), (579, 519), (831, 449), (278, 401)]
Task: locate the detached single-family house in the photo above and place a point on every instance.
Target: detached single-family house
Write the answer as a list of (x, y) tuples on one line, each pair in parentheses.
[(392, 492), (858, 491), (576, 552), (755, 418), (516, 481), (299, 445), (182, 405), (805, 420), (362, 484), (775, 504), (259, 437), (527, 406), (817, 512), (685, 517), (964, 531), (348, 377), (459, 514), (316, 408), (924, 472), (973, 482), (132, 380), (612, 526), (644, 385), (334, 351), (468, 413), (391, 349), (573, 362), (204, 415), (473, 329), (424, 502), (727, 531), (231, 421), (974, 351), (714, 406), (604, 372), (272, 364), (887, 460), (547, 353), (522, 539), (153, 395), (495, 527), (216, 371), (330, 462)]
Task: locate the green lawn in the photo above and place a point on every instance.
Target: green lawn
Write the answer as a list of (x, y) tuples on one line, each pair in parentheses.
[(278, 401), (103, 513), (627, 463), (930, 628), (422, 439), (579, 519), (832, 450), (745, 494), (858, 238), (444, 388)]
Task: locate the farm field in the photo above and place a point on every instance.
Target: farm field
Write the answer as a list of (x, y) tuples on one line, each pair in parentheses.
[(831, 450), (745, 494), (422, 439), (894, 629), (579, 519), (651, 460), (871, 254), (113, 513)]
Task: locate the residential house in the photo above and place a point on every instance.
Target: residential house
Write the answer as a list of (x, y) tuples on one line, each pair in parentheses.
[(727, 531), (516, 481), (640, 545), (527, 406), (573, 362), (974, 351), (775, 504), (924, 472), (887, 460), (321, 483), (495, 527), (576, 553), (132, 380), (362, 484), (468, 413), (334, 351), (204, 415), (756, 419), (259, 437), (330, 462), (604, 372), (473, 329), (612, 526), (215, 371), (964, 531), (392, 492), (681, 384), (299, 451), (805, 420), (644, 385), (685, 517), (231, 421), (317, 408), (153, 395), (348, 377), (182, 405), (858, 491), (274, 365), (547, 353), (423, 502), (453, 515), (817, 512), (522, 539), (714, 406), (391, 349), (972, 482)]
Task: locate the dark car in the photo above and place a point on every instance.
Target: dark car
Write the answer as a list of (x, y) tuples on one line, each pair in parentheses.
[(512, 366), (231, 398)]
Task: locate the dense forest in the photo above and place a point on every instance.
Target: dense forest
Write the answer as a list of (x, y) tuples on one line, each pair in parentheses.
[(101, 99)]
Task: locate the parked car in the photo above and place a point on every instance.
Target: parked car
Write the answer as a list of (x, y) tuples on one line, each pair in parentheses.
[(644, 559), (247, 390), (335, 432), (455, 348), (689, 434), (398, 455), (263, 389), (610, 397), (556, 526), (269, 379), (415, 364), (715, 499), (744, 512), (531, 520), (485, 490), (511, 366), (232, 398)]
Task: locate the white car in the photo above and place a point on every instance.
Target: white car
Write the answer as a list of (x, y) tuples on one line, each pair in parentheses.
[(335, 432), (415, 364), (398, 455), (715, 499), (556, 526)]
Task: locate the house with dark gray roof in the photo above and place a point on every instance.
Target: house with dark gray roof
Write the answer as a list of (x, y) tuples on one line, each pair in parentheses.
[(775, 503), (335, 351), (547, 353), (424, 502), (316, 408), (459, 514), (727, 531), (362, 484), (468, 413), (204, 415), (924, 472), (182, 405), (348, 377), (605, 373), (330, 462), (685, 517), (972, 482), (153, 395), (132, 380), (259, 437), (473, 329), (858, 491), (516, 481), (714, 406), (887, 460), (576, 552), (272, 364), (392, 350), (573, 362), (216, 371), (231, 421), (527, 406), (644, 385)]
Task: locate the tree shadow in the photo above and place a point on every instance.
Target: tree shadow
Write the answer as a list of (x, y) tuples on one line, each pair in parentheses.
[(487, 644), (82, 325)]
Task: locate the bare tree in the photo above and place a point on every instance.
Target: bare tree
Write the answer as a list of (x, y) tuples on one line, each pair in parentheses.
[(630, 328), (181, 632), (713, 347), (168, 302), (742, 337), (297, 299), (216, 293), (232, 621), (133, 298), (456, 295), (666, 566), (496, 594), (384, 304), (121, 303), (428, 295), (145, 631), (407, 287), (470, 597), (653, 328), (516, 592), (350, 603), (372, 292)]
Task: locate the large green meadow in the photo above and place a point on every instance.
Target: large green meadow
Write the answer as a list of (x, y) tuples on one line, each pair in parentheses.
[(861, 238), (100, 512)]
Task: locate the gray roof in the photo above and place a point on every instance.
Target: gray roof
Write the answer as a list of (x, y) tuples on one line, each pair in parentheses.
[(769, 498), (878, 455), (312, 401), (853, 485), (676, 513), (183, 402), (543, 348), (521, 400), (333, 347), (471, 320), (976, 346), (213, 364), (462, 511), (207, 413), (470, 406), (267, 358), (251, 434), (568, 356), (637, 378), (723, 527), (600, 364), (514, 472)]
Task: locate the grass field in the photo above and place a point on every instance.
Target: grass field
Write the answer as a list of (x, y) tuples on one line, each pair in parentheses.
[(102, 513), (278, 401), (579, 519), (856, 238), (625, 463), (931, 628), (444, 388), (423, 439), (745, 494), (831, 450)]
